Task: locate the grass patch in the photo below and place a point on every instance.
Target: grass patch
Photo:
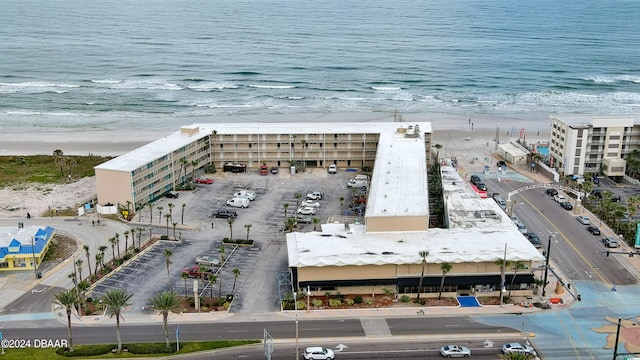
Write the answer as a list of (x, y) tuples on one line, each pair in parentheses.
[(15, 171), (135, 350)]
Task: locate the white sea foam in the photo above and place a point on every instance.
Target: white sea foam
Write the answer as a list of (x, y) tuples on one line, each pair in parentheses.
[(272, 86), (210, 86), (106, 81), (386, 88), (146, 85)]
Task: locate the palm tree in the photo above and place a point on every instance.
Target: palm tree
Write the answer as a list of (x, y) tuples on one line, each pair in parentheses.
[(174, 229), (68, 299), (126, 242), (113, 248), (438, 147), (445, 267), (236, 273), (160, 208), (212, 280), (515, 356), (150, 233), (170, 205), (184, 206), (315, 222), (341, 199), (222, 250), (115, 300), (517, 265), (230, 221), (164, 303), (184, 277), (423, 254), (118, 243), (140, 230), (167, 260), (289, 224), (79, 267), (150, 213), (503, 266), (248, 227), (194, 164), (98, 262), (168, 217), (86, 253), (286, 206), (102, 249), (298, 196)]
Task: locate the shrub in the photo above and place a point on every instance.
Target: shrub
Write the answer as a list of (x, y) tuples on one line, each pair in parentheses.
[(149, 348), (369, 302), (317, 302), (350, 302), (327, 294), (334, 302), (85, 350), (339, 296), (387, 292), (422, 301), (357, 299), (301, 305), (405, 298)]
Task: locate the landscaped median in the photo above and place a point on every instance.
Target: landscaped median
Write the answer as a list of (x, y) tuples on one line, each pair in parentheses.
[(131, 350)]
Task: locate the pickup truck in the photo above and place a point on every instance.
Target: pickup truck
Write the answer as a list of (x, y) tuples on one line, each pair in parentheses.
[(195, 271)]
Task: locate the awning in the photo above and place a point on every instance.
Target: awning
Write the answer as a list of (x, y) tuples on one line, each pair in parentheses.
[(465, 280)]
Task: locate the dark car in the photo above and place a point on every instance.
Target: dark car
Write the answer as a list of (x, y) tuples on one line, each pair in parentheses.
[(172, 195), (274, 169), (481, 186), (225, 213), (475, 179), (552, 192), (501, 163), (534, 239), (593, 230), (566, 205)]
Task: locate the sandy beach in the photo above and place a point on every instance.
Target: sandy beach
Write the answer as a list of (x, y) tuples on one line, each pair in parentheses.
[(456, 133)]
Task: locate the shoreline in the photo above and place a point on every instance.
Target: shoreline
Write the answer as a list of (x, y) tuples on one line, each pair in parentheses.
[(114, 142)]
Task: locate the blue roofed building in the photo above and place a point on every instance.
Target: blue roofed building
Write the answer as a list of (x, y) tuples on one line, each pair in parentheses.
[(22, 247)]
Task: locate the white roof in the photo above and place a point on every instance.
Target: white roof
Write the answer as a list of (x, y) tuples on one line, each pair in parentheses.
[(513, 150), (478, 231), (176, 140), (399, 182), (23, 235), (336, 246)]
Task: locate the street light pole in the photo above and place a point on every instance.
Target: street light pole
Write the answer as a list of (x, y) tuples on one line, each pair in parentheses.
[(35, 262), (546, 268), (615, 347), (502, 274), (295, 302), (308, 296)]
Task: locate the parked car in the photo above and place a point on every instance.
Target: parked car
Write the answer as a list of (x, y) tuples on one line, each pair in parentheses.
[(333, 169), (481, 186), (251, 195), (517, 348), (318, 353), (534, 239), (559, 198), (600, 193), (225, 213), (207, 260), (501, 163), (310, 203), (195, 271), (522, 228), (584, 220), (264, 170), (455, 351), (274, 170), (303, 219), (552, 192), (171, 194), (204, 181), (610, 242), (306, 211), (239, 202), (566, 205), (593, 230), (315, 195), (475, 179)]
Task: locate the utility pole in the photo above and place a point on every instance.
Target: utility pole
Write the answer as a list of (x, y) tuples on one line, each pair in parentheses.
[(546, 268)]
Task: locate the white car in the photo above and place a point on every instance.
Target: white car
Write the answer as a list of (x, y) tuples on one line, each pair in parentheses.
[(315, 195), (559, 198), (238, 202), (332, 169), (584, 220), (207, 260), (318, 353), (517, 348), (251, 195), (310, 203), (455, 351), (306, 211)]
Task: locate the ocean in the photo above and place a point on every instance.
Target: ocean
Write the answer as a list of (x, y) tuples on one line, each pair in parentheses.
[(71, 65)]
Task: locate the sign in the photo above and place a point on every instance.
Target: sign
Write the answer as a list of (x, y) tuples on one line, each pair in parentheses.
[(521, 133), (636, 245)]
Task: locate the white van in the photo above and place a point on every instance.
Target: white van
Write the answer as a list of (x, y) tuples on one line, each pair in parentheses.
[(358, 184), (240, 202)]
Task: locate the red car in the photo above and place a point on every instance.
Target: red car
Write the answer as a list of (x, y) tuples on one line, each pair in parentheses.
[(204, 181), (194, 271)]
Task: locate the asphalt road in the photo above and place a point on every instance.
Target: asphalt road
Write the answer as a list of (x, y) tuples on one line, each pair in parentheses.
[(577, 254)]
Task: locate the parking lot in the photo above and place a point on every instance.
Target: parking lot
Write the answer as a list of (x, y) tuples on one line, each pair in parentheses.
[(256, 287)]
